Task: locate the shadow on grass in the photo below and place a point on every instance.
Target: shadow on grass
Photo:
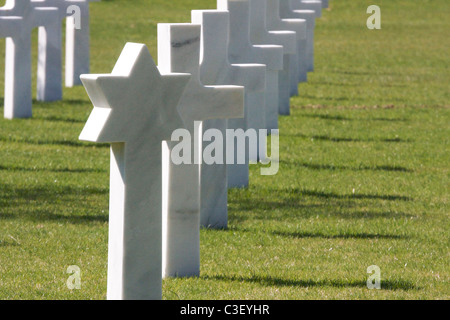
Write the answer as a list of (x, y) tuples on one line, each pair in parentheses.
[(337, 84), (51, 104), (328, 195), (48, 192), (266, 212), (42, 215), (297, 193), (315, 166), (7, 243), (47, 215), (294, 204), (61, 170), (320, 235), (49, 203), (67, 143), (363, 235), (372, 215), (341, 118), (60, 119), (309, 283), (327, 117), (343, 139), (364, 73), (319, 98)]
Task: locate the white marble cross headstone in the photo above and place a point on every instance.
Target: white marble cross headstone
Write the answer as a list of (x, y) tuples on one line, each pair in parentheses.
[(179, 51), (274, 22), (309, 16), (77, 43), (134, 110), (215, 69), (77, 47), (315, 5), (260, 35), (18, 100), (240, 50)]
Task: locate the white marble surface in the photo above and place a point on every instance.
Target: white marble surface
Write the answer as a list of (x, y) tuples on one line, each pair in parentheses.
[(315, 5), (309, 16), (275, 22), (241, 50), (18, 99), (135, 109), (9, 25), (77, 51), (215, 69), (276, 103), (325, 3), (49, 67), (179, 51), (78, 45)]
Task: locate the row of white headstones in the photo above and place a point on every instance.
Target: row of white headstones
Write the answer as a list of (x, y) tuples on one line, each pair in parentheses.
[(17, 20), (231, 68)]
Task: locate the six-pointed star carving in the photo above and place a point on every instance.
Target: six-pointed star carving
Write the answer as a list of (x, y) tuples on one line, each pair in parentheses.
[(134, 100)]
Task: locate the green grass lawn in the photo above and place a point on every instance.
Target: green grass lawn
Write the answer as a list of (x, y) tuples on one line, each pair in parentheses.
[(363, 180)]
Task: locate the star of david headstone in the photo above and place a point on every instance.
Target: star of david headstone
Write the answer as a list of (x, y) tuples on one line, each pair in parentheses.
[(135, 109)]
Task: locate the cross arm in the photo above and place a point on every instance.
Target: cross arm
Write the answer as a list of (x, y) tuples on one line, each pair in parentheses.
[(284, 38), (272, 56), (220, 102), (9, 26), (297, 25), (308, 15), (251, 76), (44, 15), (308, 5)]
